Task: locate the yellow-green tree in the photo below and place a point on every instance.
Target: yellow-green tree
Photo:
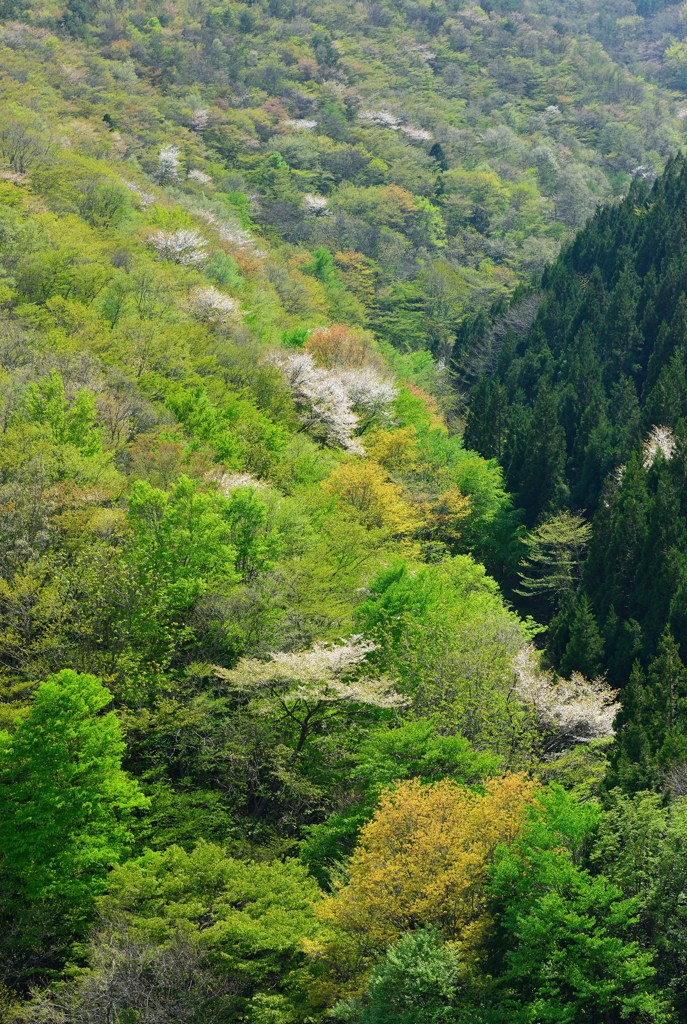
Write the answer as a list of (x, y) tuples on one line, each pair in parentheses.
[(422, 860), (377, 500)]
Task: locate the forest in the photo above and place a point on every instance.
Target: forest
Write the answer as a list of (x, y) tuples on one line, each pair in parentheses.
[(343, 498)]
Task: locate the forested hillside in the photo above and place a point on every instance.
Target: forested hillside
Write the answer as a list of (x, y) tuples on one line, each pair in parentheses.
[(440, 152), (587, 413), (311, 708)]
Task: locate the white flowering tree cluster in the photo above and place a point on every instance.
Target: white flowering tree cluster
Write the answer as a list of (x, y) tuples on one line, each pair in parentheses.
[(567, 711), (228, 482), (659, 439), (314, 205), (197, 175), (168, 161), (321, 397), (675, 780), (187, 247), (310, 688), (329, 397), (199, 120), (301, 124), (385, 119), (213, 306), (233, 234), (369, 392), (146, 199)]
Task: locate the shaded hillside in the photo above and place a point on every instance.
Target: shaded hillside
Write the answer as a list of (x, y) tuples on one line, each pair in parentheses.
[(587, 411)]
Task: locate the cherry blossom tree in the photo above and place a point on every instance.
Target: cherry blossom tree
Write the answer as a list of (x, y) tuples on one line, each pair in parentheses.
[(331, 398), (168, 164), (321, 397), (369, 393), (185, 247), (309, 688), (659, 439), (197, 175), (146, 199), (199, 120), (567, 711), (212, 305)]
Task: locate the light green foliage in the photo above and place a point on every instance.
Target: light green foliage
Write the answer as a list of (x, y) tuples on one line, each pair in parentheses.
[(240, 436), (254, 543), (445, 633), (418, 749), (247, 918), (46, 403), (182, 541), (66, 799), (169, 519), (555, 552)]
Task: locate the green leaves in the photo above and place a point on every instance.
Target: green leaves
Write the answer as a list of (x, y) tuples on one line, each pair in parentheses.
[(182, 540), (66, 811), (248, 919), (562, 934), (65, 799), (416, 982)]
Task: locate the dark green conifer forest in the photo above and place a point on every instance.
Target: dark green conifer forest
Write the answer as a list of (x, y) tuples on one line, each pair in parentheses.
[(343, 512)]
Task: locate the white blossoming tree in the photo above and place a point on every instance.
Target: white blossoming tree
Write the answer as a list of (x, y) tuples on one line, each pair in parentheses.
[(659, 439), (213, 306), (310, 688), (369, 393), (199, 120), (185, 247), (331, 398), (168, 164), (228, 482), (315, 205), (195, 174), (322, 398), (567, 711), (146, 199)]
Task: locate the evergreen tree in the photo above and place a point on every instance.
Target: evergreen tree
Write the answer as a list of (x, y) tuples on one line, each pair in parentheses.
[(542, 487), (633, 766), (584, 650), (666, 703)]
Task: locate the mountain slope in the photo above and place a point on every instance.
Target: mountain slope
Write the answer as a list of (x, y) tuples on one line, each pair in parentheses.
[(587, 410), (274, 746), (441, 152)]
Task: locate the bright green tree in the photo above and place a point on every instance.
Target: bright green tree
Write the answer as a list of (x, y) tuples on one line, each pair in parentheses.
[(554, 558), (66, 810), (247, 920), (563, 946), (416, 982)]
